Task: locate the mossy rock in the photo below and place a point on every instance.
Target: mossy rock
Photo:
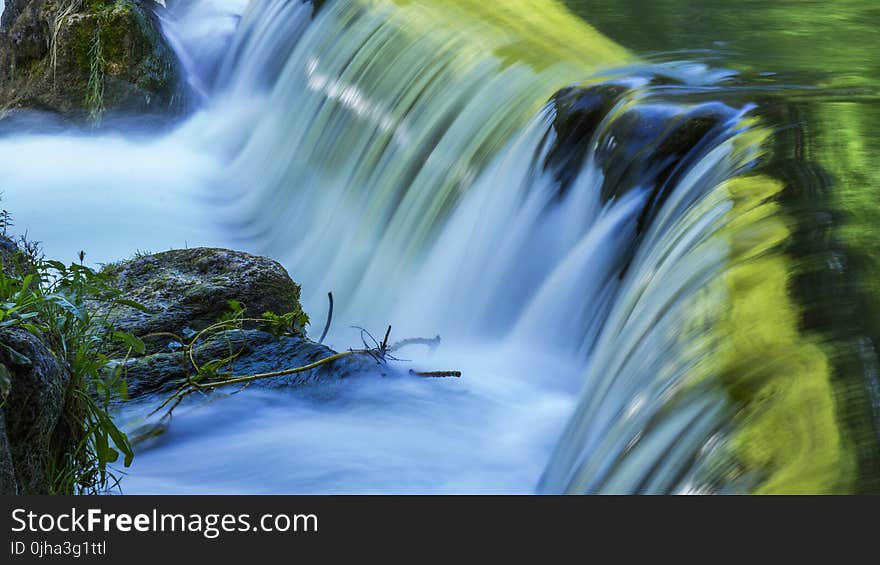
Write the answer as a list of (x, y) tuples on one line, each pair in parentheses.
[(84, 58), (191, 288)]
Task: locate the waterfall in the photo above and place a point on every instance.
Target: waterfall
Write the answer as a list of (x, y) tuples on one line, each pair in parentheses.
[(585, 255), (381, 153)]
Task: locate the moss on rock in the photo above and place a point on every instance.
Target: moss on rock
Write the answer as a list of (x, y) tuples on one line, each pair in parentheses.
[(190, 288), (80, 58)]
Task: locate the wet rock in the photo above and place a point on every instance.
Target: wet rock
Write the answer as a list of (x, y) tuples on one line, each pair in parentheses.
[(578, 113), (80, 58), (257, 352), (33, 408), (646, 145)]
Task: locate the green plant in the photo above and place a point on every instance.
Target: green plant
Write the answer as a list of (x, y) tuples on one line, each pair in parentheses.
[(95, 87), (50, 299), (292, 323), (5, 221)]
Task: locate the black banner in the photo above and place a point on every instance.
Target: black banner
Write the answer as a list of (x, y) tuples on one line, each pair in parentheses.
[(285, 528)]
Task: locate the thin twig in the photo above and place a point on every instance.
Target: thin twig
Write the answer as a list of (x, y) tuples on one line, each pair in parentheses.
[(329, 318), (384, 347)]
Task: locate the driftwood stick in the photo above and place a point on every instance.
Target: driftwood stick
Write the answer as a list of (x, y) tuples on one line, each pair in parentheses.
[(436, 374)]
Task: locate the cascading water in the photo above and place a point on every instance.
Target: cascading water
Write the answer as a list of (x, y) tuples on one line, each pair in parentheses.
[(405, 158)]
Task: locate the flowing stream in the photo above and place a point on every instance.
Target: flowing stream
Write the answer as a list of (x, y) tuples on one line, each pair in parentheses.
[(404, 156)]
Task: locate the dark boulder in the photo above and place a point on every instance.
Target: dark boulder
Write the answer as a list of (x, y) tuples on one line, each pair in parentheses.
[(8, 483), (34, 402)]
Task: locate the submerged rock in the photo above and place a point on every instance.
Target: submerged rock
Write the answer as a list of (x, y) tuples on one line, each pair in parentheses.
[(257, 352), (646, 146), (81, 58)]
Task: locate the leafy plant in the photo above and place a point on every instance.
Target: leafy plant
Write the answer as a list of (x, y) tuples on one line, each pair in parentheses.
[(292, 323), (95, 88), (49, 299)]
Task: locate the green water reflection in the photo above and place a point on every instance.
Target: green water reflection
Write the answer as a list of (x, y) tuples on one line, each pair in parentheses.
[(832, 42), (814, 70)]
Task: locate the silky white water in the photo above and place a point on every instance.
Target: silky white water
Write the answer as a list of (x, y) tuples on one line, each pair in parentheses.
[(414, 192)]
